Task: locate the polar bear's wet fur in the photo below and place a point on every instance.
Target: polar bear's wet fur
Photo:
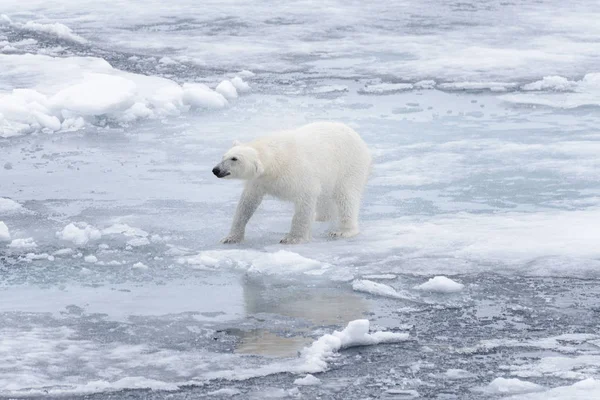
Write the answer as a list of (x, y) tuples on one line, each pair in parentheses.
[(322, 168)]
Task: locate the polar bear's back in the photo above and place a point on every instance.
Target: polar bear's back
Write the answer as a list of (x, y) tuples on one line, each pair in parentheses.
[(328, 151)]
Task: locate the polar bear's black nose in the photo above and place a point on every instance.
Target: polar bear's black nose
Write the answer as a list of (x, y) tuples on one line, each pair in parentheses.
[(216, 171)]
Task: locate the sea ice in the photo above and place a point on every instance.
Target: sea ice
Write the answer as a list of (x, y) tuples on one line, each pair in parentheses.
[(441, 284)]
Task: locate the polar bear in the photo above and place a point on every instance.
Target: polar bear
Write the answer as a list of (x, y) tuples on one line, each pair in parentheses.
[(322, 168)]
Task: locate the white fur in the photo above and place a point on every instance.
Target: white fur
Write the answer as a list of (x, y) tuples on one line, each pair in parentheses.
[(321, 167)]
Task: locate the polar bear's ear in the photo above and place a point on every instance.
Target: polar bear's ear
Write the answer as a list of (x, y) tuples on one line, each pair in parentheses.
[(237, 143)]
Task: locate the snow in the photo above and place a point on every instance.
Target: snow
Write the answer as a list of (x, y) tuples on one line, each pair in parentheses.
[(90, 259), (80, 234), (59, 99), (375, 288), (441, 284), (380, 276), (504, 386), (54, 29), (4, 232), (139, 265), (26, 243), (585, 389), (279, 262), (240, 85), (200, 96), (308, 380), (110, 94), (557, 83), (227, 89), (386, 88), (225, 392), (579, 93), (315, 357), (9, 206), (455, 373)]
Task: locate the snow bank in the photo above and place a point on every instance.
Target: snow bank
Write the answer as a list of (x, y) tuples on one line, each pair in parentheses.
[(201, 96), (556, 83), (280, 262), (585, 92), (588, 389), (227, 89), (125, 230), (511, 386), (477, 86), (9, 206), (56, 29), (4, 232), (90, 259), (60, 94), (455, 374), (116, 364), (27, 243), (441, 284), (375, 288), (316, 356), (80, 233), (385, 88), (225, 392), (308, 380), (139, 265)]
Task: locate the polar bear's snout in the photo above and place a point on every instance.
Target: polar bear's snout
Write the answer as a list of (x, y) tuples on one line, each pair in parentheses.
[(220, 172)]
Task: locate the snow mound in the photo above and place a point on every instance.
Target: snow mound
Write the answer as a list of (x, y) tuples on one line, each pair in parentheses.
[(65, 94), (380, 276), (4, 232), (375, 288), (27, 243), (280, 262), (9, 206), (308, 380), (585, 92), (454, 374), (79, 234), (511, 386), (356, 333), (139, 265), (330, 89), (588, 389), (125, 230), (240, 85), (98, 94), (441, 284), (56, 29), (556, 83), (227, 89), (90, 259), (201, 96), (225, 392), (386, 88), (477, 86)]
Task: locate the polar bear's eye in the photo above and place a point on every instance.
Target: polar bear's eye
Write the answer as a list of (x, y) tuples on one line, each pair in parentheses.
[(233, 158)]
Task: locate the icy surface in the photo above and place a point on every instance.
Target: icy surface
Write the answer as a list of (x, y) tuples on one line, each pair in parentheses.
[(441, 284), (482, 117)]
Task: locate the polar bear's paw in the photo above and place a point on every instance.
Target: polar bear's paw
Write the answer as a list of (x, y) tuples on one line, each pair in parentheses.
[(287, 239), (232, 239), (344, 234)]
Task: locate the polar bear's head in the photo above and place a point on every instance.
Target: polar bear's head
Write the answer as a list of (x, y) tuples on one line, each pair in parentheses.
[(240, 162)]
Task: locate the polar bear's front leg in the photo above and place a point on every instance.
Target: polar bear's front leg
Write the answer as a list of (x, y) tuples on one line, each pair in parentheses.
[(249, 202), (304, 214)]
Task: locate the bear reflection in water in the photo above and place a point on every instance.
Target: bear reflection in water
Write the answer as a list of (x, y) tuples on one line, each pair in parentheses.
[(307, 308)]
